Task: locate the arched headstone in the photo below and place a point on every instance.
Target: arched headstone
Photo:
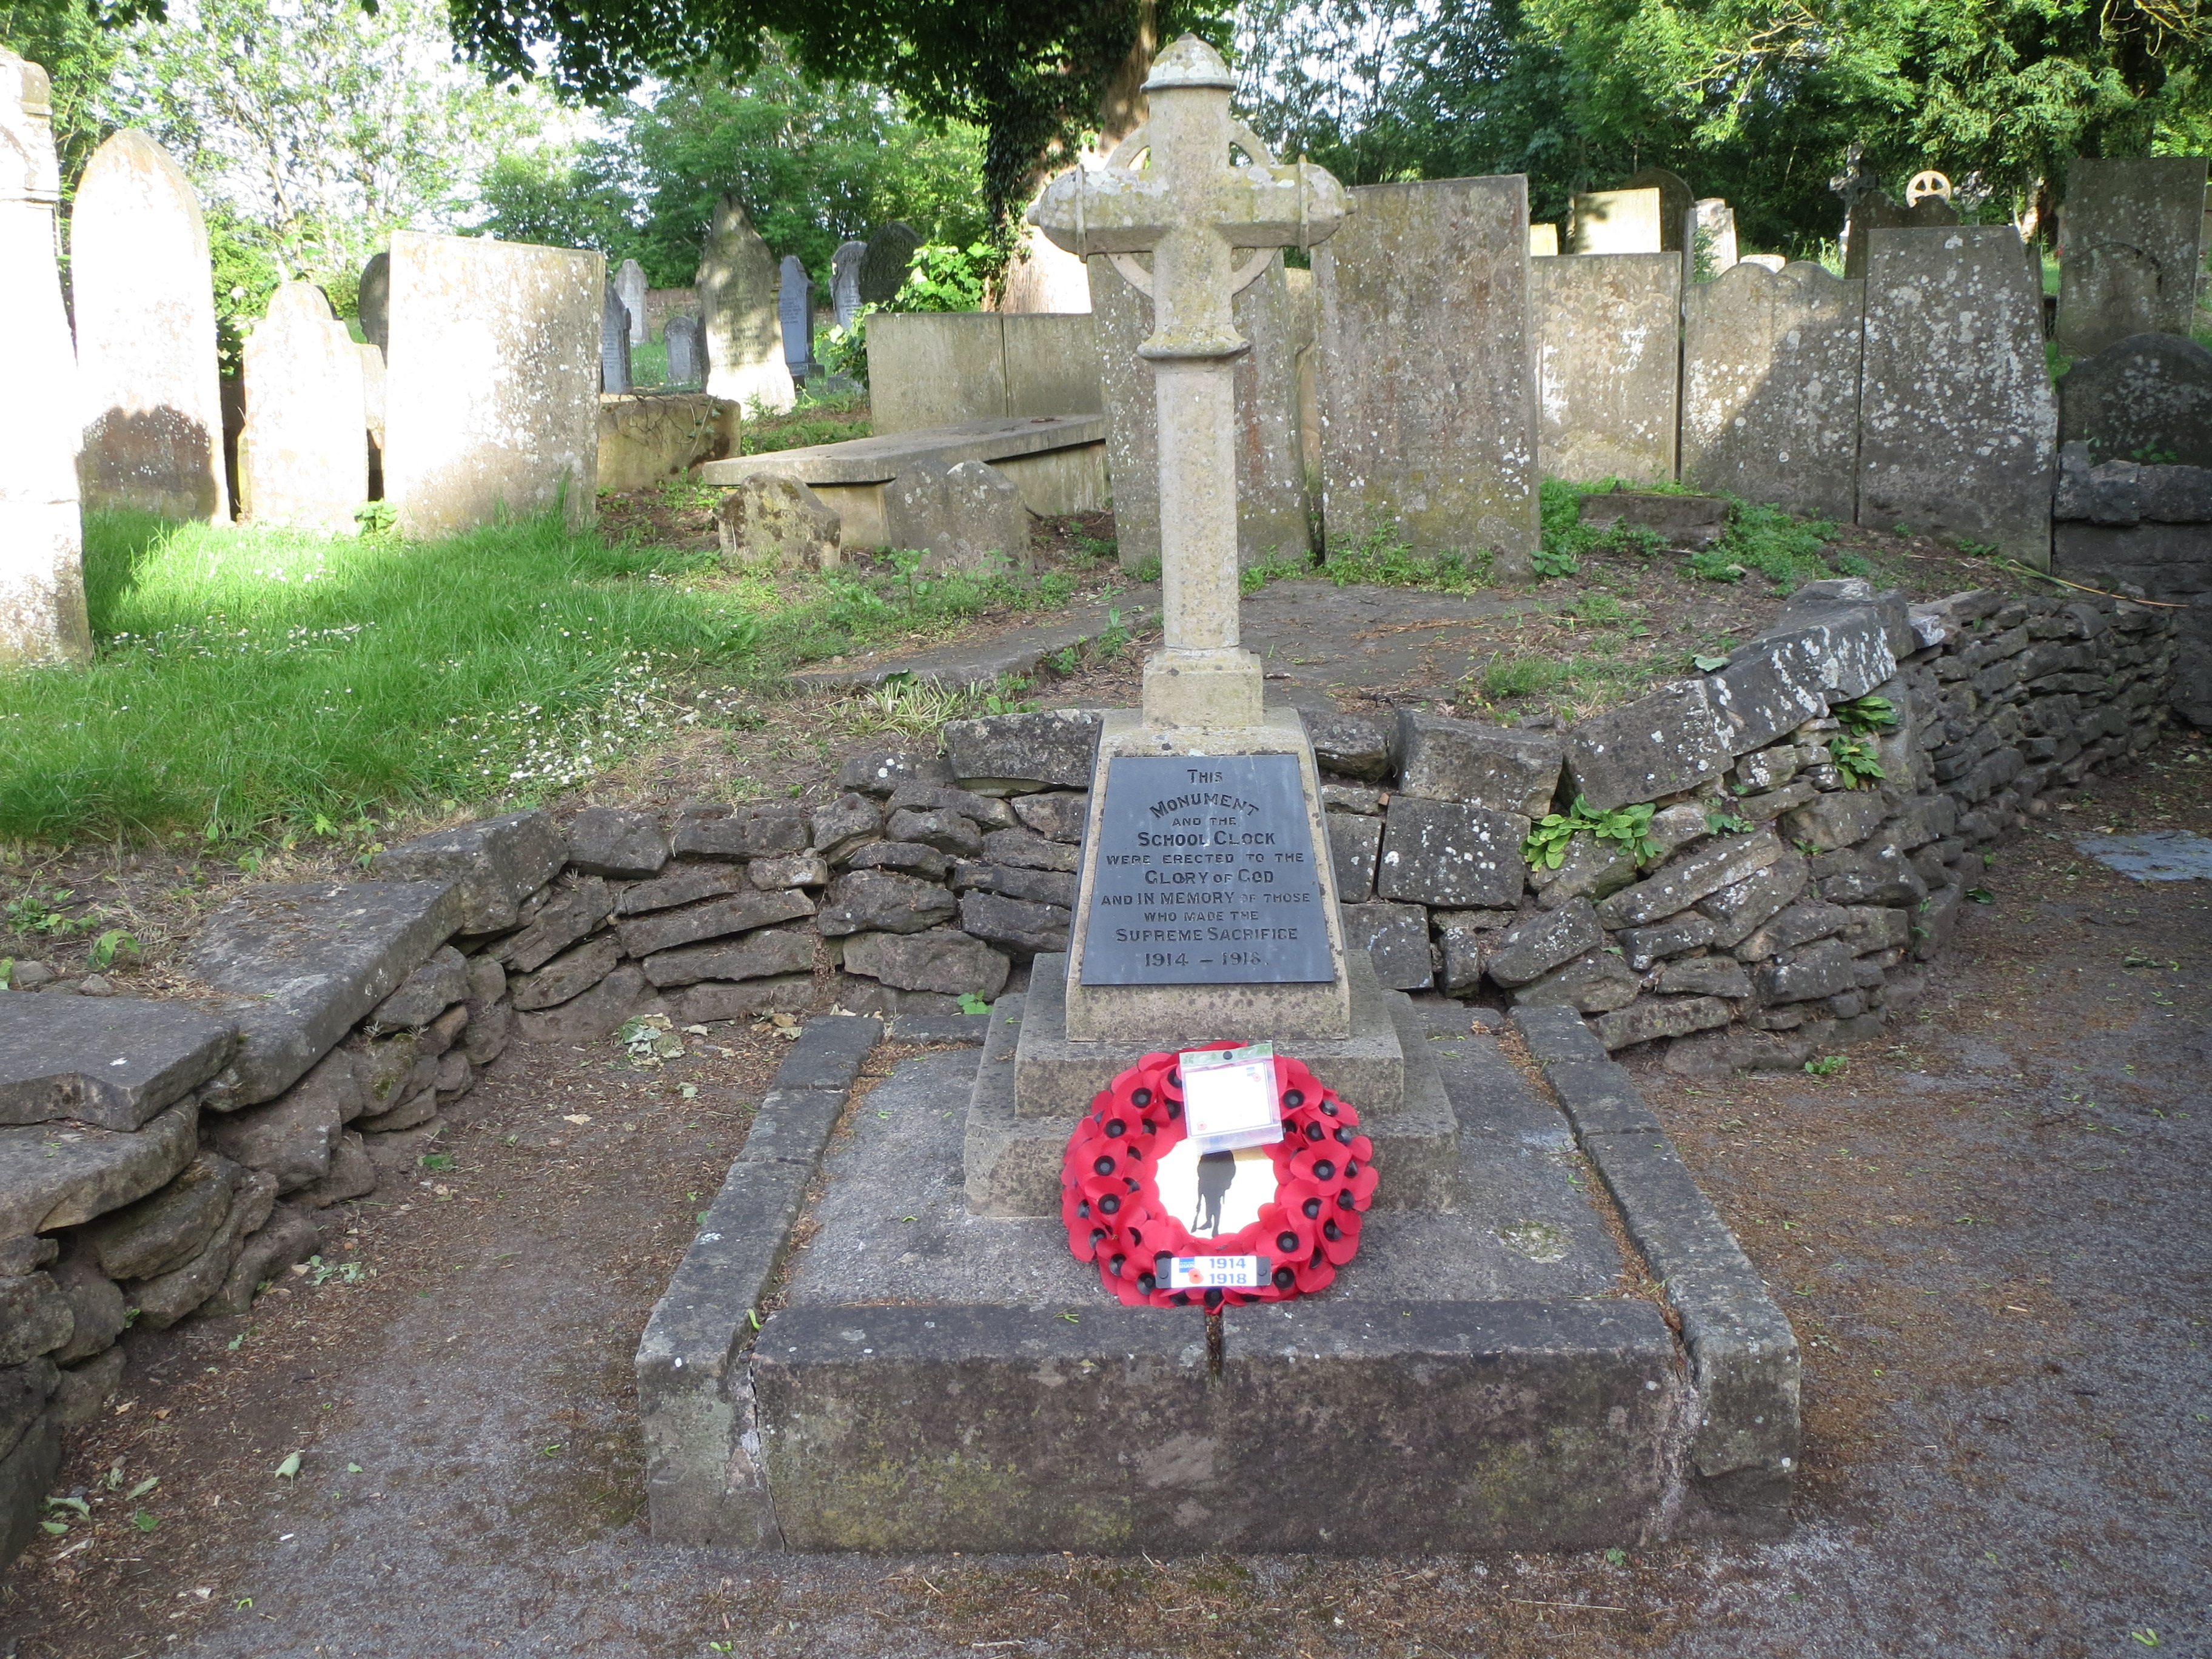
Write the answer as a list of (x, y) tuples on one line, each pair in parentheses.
[(374, 304), (629, 282), (845, 282), (2147, 396), (2130, 235), (686, 362), (1676, 202), (794, 309), (303, 457), (883, 267), (42, 609), (614, 342), (737, 306), (145, 337)]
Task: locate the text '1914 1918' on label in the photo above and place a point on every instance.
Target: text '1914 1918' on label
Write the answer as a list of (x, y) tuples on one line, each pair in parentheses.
[(1204, 875)]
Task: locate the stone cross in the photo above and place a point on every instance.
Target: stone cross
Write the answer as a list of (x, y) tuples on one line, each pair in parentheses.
[(1212, 227)]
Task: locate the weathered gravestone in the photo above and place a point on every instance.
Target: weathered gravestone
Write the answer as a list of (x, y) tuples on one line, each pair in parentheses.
[(374, 300), (1717, 234), (794, 310), (1958, 429), (615, 329), (2131, 236), (1771, 387), (42, 609), (303, 457), (1042, 278), (1677, 201), (491, 390), (2147, 398), (736, 311), (141, 280), (965, 517), (629, 282), (774, 523), (1615, 221), (1874, 211), (1543, 241), (1428, 403), (1607, 364), (845, 282), (685, 351), (884, 266), (1273, 519)]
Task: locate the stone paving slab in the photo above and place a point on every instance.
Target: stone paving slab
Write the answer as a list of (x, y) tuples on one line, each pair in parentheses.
[(109, 1061), (1018, 651)]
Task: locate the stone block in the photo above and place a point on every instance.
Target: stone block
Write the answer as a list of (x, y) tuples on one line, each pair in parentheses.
[(1873, 875), (946, 963), (829, 1053), (880, 772), (1396, 939), (34, 1318), (1354, 799), (109, 1061), (907, 858), (291, 1137), (1592, 985), (289, 1236), (617, 843), (1876, 927), (1650, 1018), (685, 884), (755, 833), (436, 986), (164, 1299), (1024, 928), (1642, 946), (1799, 924), (845, 825), (598, 1012), (168, 1228), (948, 832), (788, 870), (1054, 747), (402, 1154), (59, 1177), (1605, 397), (1442, 852), (1060, 816), (717, 918), (1820, 969), (1742, 906), (567, 975), (1771, 387), (24, 1390), (1349, 745), (1544, 942), (1503, 770), (351, 1175), (1464, 940), (1590, 868), (1685, 523), (883, 900), (1023, 850), (770, 522), (1683, 882), (718, 999), (1353, 844), (98, 1312), (492, 396), (1037, 886), (496, 863), (1674, 739), (2151, 392), (984, 811), (558, 923), (1704, 976), (757, 955), (1958, 428)]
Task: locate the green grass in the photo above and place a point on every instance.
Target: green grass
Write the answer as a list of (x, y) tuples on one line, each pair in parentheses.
[(1383, 556), (253, 683)]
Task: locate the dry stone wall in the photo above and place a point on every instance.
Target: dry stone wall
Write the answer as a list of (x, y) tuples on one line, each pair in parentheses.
[(170, 1157)]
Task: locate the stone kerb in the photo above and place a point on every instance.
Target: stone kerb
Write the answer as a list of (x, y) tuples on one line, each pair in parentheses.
[(491, 393), (1607, 364), (1958, 427), (144, 304), (1427, 402), (1771, 387), (303, 457)]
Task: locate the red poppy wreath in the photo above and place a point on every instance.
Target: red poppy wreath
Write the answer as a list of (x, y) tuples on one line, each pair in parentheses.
[(1133, 1189)]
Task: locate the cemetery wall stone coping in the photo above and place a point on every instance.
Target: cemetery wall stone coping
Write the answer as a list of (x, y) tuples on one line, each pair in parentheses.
[(112, 1062)]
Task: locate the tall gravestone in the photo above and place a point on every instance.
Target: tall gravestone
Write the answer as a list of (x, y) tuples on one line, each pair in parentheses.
[(1042, 277), (303, 457), (2148, 397), (1428, 406), (1874, 211), (629, 282), (794, 310), (143, 285), (737, 315), (42, 606), (1607, 366), (845, 282), (491, 390), (1677, 201), (1616, 222), (2130, 249), (1958, 429), (1771, 387), (1272, 516), (615, 332), (375, 303), (685, 354), (1717, 230), (883, 267)]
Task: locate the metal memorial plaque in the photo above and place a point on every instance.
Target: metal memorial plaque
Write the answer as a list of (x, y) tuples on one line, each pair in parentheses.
[(1204, 875)]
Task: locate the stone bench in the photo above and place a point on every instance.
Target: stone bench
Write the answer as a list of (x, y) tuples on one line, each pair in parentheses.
[(1057, 461)]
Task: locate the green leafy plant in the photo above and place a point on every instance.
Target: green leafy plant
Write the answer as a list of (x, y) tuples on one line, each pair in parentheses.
[(1826, 1065), (1507, 678), (1855, 757), (943, 277), (1707, 664), (320, 1272), (1551, 835), (1385, 558), (1115, 639), (41, 913), (376, 517), (107, 946), (1277, 564), (1868, 713), (1727, 824), (972, 1003), (1550, 562)]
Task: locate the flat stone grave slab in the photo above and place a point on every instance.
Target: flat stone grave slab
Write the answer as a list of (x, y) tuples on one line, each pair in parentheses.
[(879, 460), (1018, 651)]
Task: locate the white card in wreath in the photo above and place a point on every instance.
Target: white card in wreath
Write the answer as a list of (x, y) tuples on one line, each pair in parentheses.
[(1229, 1097)]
